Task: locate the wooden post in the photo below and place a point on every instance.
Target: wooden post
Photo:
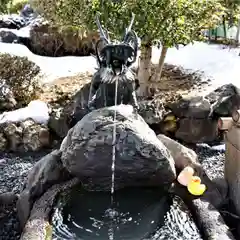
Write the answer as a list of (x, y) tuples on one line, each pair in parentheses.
[(232, 160)]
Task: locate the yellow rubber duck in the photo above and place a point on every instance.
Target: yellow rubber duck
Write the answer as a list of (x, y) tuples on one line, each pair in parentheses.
[(195, 187), (170, 118)]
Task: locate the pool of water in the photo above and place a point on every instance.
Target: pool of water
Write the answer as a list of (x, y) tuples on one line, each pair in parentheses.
[(136, 214)]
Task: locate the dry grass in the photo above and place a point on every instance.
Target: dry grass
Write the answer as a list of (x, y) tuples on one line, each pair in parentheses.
[(64, 88), (172, 86)]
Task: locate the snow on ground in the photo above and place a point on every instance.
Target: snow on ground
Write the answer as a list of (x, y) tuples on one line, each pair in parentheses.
[(52, 67), (219, 63)]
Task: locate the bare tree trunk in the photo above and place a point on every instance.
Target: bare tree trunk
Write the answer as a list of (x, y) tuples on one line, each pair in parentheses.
[(224, 28), (144, 69), (209, 34), (216, 34), (158, 73), (238, 32)]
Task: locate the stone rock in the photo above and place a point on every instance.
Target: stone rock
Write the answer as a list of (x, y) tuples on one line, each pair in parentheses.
[(3, 142), (141, 158), (7, 36), (7, 100), (216, 194), (60, 119), (197, 130), (182, 155), (196, 107), (45, 173), (7, 203), (222, 186), (13, 135), (224, 100), (8, 198), (12, 21), (151, 111), (80, 105), (35, 136), (38, 225), (25, 136), (210, 221)]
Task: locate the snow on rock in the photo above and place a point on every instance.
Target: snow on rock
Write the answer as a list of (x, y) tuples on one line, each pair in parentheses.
[(36, 110)]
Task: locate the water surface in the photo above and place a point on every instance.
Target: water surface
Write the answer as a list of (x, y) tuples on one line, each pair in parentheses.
[(137, 214)]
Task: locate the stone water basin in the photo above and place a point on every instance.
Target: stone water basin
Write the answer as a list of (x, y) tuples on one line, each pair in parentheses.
[(139, 214)]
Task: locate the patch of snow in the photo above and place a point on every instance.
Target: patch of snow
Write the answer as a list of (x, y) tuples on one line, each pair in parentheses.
[(23, 32), (36, 110), (220, 64), (53, 67), (221, 147)]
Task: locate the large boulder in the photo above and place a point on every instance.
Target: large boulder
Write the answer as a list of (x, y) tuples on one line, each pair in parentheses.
[(182, 155), (198, 116), (219, 103), (141, 158), (152, 111), (192, 130), (196, 107), (224, 100)]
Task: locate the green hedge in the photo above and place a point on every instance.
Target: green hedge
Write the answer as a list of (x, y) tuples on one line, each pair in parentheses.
[(4, 5), (17, 6)]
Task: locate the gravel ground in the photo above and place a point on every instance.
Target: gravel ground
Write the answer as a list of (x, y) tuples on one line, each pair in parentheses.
[(14, 169), (212, 159)]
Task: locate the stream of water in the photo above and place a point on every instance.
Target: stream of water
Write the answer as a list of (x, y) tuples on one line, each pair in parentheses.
[(114, 140), (112, 213)]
